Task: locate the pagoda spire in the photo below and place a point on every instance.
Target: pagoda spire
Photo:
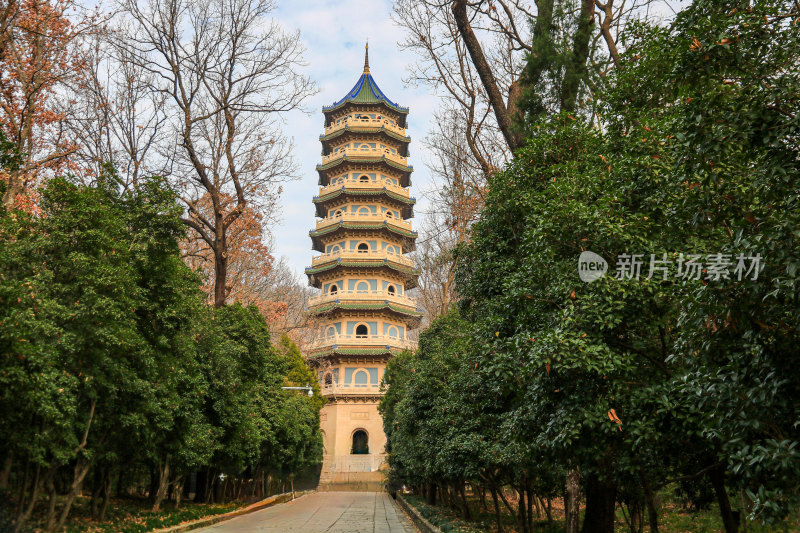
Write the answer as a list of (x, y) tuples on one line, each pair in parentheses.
[(366, 58)]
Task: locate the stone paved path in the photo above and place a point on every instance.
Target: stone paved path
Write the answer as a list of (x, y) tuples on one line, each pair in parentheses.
[(328, 512)]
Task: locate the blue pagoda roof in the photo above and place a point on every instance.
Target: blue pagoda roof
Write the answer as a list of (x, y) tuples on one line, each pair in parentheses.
[(366, 91)]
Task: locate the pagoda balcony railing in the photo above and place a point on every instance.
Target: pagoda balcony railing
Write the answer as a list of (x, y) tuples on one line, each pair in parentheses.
[(363, 296), (363, 217), (354, 255), (362, 340), (364, 122), (365, 152), (358, 184), (351, 389)]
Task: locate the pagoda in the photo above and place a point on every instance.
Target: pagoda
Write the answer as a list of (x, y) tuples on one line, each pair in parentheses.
[(362, 312)]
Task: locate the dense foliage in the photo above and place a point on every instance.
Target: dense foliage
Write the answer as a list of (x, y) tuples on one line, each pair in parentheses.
[(113, 367), (631, 384)]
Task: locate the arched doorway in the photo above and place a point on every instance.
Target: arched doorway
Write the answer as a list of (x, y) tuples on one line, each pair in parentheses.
[(361, 331), (360, 443)]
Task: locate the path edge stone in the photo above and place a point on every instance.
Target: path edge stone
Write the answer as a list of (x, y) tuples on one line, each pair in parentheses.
[(420, 521), (211, 520)]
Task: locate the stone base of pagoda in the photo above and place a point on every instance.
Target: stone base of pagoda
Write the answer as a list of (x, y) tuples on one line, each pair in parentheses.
[(340, 419), (361, 473)]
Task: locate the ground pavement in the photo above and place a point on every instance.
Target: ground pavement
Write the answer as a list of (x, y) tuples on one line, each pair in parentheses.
[(323, 512)]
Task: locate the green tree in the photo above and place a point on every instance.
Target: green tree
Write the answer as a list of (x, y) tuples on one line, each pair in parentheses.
[(97, 285), (697, 154)]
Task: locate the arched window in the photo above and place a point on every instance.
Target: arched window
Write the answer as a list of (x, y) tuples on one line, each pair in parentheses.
[(335, 249), (334, 289), (364, 178), (361, 379), (389, 214), (363, 248), (362, 287), (337, 213), (360, 443), (393, 332), (363, 211), (330, 332), (328, 380), (389, 289), (361, 331)]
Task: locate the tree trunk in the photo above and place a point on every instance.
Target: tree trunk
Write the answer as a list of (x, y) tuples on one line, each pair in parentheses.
[(467, 514), (51, 502), (25, 512), (23, 488), (163, 484), (600, 506), (151, 492), (485, 73), (201, 486), (531, 501), (717, 478), (742, 511), (79, 473), (430, 494), (522, 517), (220, 267), (496, 509), (97, 490), (650, 501), (572, 504), (121, 483), (108, 486), (548, 509), (14, 187), (543, 50), (179, 491), (6, 472), (575, 70)]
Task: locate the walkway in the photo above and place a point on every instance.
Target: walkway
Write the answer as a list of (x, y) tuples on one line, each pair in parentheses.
[(328, 512)]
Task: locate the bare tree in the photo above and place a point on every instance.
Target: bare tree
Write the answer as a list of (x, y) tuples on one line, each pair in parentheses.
[(227, 74), (478, 56), (434, 257), (113, 115), (291, 292), (37, 61), (474, 54), (444, 66)]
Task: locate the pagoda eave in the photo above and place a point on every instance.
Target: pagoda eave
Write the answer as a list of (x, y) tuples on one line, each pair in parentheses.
[(340, 309), (345, 194), (328, 110), (408, 274), (336, 231), (340, 164), (354, 131), (319, 356)]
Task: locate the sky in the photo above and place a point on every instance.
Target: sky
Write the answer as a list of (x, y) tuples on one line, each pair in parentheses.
[(334, 34)]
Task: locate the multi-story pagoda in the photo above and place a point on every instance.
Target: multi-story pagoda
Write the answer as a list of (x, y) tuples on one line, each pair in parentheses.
[(362, 311)]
